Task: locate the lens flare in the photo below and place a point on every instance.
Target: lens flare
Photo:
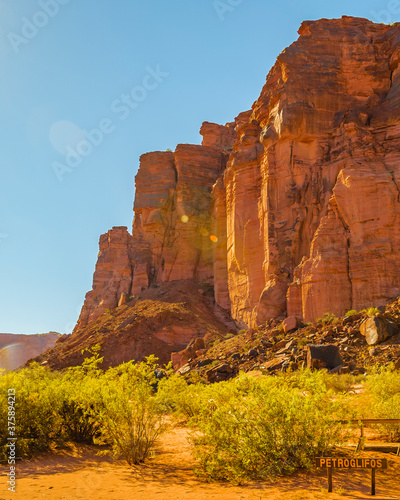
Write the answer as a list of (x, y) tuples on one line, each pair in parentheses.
[(184, 218), (213, 238), (64, 135)]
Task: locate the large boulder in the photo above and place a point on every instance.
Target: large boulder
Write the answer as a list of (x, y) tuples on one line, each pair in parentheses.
[(323, 356), (376, 330), (291, 323)]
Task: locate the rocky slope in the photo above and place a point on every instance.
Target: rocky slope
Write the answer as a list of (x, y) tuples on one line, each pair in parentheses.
[(293, 208), (160, 320), (273, 347)]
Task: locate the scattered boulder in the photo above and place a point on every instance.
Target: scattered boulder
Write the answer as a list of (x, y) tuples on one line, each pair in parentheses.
[(323, 356), (176, 358), (196, 344), (377, 329), (223, 371), (123, 299), (159, 373), (184, 369), (274, 364), (291, 323)]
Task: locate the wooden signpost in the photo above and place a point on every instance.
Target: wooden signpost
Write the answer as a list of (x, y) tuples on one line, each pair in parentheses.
[(351, 463)]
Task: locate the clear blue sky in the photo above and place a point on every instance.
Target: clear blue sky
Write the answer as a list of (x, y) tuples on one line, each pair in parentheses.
[(67, 72)]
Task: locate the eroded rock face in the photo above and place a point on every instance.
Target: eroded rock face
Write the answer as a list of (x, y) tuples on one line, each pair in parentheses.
[(312, 185), (172, 234), (112, 277), (293, 209)]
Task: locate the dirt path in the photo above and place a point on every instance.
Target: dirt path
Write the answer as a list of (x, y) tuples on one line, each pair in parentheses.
[(169, 476)]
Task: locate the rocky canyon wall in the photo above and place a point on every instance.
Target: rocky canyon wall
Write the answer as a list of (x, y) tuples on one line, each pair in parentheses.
[(294, 207)]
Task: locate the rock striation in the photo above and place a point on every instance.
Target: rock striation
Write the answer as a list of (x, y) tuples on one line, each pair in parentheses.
[(293, 209)]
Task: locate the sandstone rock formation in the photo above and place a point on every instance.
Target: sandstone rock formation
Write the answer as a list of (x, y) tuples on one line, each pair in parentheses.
[(293, 208), (112, 277), (172, 235), (312, 184), (16, 350)]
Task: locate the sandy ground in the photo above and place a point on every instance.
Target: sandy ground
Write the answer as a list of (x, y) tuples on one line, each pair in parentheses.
[(80, 474)]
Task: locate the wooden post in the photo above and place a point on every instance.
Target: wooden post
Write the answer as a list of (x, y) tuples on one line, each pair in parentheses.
[(329, 479), (373, 481), (360, 444)]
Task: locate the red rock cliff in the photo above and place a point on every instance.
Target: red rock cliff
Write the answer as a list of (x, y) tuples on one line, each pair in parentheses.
[(293, 208), (172, 235)]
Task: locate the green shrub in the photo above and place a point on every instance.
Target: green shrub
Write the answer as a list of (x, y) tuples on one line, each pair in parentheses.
[(371, 311), (78, 390), (37, 404), (351, 312), (260, 428), (183, 401), (328, 318), (341, 383), (382, 393), (130, 420), (84, 404)]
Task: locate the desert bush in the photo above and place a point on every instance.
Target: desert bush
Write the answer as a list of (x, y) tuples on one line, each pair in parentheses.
[(180, 399), (382, 393), (84, 404), (130, 417), (341, 383), (78, 391), (328, 318), (77, 409), (259, 428), (351, 312), (37, 404), (371, 311), (130, 420)]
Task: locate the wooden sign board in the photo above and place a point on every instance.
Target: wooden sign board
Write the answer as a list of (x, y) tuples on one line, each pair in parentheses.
[(351, 463)]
